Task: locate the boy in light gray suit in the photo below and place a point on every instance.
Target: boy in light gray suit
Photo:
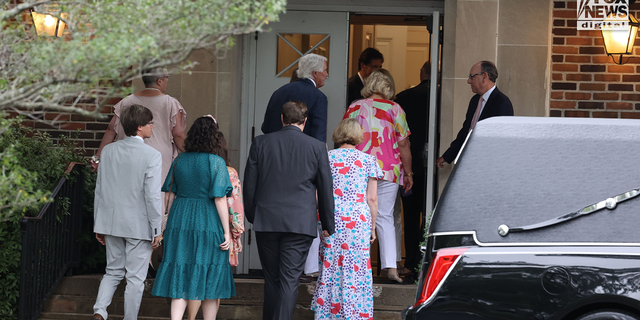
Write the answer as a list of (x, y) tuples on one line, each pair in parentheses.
[(127, 211)]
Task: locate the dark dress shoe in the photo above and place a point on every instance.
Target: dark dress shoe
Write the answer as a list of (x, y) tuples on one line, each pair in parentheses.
[(403, 272), (97, 317), (151, 272)]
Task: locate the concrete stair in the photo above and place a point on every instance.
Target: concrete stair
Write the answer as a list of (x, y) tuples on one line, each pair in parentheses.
[(73, 299)]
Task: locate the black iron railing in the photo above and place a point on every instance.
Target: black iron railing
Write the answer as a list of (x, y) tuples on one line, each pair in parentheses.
[(49, 246)]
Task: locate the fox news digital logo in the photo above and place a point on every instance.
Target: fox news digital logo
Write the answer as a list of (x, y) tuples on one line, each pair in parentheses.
[(592, 13)]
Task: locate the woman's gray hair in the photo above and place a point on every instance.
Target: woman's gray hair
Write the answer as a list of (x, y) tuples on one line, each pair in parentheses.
[(309, 63), (380, 82), (150, 76)]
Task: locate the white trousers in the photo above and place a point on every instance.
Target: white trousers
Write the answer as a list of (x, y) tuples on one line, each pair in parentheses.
[(397, 223), (386, 230), (312, 265), (125, 258)]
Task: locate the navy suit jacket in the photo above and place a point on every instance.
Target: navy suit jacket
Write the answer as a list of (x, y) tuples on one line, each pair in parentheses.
[(284, 170), (497, 105), (415, 103), (354, 86), (301, 90)]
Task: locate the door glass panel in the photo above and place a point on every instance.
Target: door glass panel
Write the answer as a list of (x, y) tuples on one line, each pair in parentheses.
[(293, 46)]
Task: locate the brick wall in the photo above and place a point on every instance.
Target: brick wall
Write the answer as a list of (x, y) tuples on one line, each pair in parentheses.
[(585, 82), (87, 131)]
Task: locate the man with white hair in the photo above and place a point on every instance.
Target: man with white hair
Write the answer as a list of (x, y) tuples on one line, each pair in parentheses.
[(312, 71)]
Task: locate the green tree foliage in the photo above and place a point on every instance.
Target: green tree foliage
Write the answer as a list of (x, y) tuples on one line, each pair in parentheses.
[(107, 43), (32, 163), (19, 192)]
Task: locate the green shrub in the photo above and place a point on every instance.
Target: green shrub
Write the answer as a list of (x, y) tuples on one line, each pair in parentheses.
[(92, 253), (32, 163)]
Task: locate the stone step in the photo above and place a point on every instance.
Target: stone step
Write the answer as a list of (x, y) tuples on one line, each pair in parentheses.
[(225, 313), (74, 298)]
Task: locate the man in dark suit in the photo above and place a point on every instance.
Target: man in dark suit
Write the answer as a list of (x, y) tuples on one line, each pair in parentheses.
[(370, 61), (284, 171), (415, 103), (488, 102), (312, 71)]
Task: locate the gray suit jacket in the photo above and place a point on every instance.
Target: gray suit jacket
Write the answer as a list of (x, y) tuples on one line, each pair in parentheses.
[(127, 201)]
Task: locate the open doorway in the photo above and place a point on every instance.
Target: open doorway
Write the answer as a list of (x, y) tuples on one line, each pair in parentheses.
[(268, 63), (405, 43)]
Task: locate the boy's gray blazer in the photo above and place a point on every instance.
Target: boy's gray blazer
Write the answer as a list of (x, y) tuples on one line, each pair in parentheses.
[(127, 200)]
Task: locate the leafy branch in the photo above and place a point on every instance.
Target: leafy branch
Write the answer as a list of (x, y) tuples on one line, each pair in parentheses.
[(107, 44)]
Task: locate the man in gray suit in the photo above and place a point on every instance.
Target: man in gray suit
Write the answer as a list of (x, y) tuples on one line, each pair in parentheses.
[(127, 211), (284, 170)]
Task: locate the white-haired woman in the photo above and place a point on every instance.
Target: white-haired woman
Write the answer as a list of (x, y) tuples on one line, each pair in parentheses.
[(385, 137)]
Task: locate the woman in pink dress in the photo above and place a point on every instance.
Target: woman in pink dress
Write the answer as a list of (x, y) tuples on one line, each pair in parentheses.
[(169, 123), (169, 118), (385, 137)]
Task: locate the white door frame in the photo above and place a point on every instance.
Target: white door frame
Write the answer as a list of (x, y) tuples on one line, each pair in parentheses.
[(381, 7), (432, 181), (261, 81)]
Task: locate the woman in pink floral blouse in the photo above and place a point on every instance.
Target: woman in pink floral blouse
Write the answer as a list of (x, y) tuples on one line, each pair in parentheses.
[(385, 137)]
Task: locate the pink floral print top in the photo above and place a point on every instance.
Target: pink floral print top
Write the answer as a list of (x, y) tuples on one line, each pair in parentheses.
[(384, 123)]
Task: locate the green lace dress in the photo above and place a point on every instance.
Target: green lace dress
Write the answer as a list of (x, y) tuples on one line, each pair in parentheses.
[(193, 265)]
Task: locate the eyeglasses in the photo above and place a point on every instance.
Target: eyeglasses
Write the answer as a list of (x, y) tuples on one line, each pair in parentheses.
[(150, 123), (475, 74)]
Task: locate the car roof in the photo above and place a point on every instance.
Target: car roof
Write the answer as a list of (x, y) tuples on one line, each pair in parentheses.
[(520, 171)]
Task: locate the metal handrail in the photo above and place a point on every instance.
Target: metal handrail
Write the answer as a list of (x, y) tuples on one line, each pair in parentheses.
[(49, 246)]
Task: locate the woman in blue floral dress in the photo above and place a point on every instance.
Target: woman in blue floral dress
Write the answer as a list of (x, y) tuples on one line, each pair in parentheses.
[(344, 287)]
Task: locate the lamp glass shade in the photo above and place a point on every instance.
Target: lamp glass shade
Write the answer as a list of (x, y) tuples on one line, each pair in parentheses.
[(618, 41), (47, 25)]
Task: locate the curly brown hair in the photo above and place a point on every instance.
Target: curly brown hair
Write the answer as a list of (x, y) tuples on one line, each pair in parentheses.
[(203, 137), (224, 151)]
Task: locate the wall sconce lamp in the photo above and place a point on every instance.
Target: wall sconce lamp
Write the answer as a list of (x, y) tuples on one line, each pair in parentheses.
[(619, 42), (47, 24)]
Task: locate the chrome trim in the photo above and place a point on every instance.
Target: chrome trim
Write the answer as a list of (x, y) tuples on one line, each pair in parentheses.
[(609, 203), (464, 144), (555, 252), (435, 292), (534, 244), (503, 230)]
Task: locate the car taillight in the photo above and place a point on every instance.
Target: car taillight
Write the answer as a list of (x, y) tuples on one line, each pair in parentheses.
[(444, 260)]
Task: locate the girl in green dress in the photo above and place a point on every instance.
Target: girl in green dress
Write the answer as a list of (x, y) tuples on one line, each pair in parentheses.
[(195, 264)]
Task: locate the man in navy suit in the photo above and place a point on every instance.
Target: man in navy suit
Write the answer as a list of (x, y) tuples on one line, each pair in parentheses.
[(312, 71), (415, 103), (487, 102)]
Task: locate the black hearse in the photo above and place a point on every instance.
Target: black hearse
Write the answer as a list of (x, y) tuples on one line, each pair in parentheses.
[(539, 220)]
